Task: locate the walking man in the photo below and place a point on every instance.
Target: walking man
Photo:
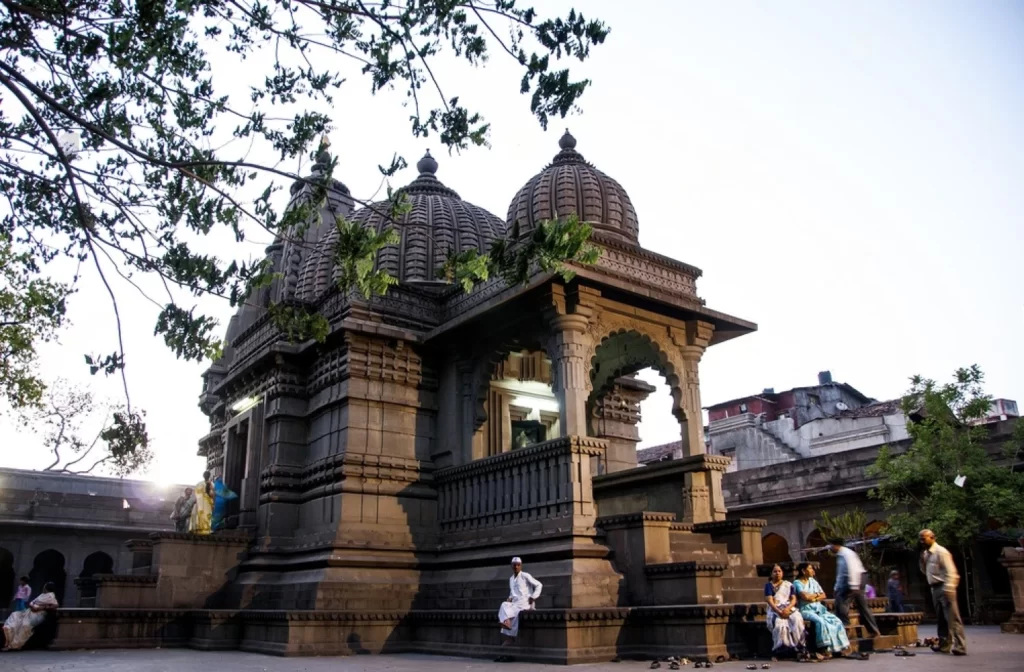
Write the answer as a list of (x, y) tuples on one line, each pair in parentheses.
[(523, 591), (940, 572), (850, 576)]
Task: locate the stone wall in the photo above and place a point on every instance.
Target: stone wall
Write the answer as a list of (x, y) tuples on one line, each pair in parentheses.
[(62, 520)]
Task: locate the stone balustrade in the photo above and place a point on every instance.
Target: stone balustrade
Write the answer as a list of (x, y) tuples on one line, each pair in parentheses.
[(543, 482)]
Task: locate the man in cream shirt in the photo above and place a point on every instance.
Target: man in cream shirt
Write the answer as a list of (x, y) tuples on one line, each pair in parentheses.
[(940, 571)]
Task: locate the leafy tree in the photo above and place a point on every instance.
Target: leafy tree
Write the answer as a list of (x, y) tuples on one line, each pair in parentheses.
[(114, 119), (31, 311), (919, 487), (65, 413), (852, 526)]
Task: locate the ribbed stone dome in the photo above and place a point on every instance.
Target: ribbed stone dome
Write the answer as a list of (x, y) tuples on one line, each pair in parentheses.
[(439, 221), (570, 185)]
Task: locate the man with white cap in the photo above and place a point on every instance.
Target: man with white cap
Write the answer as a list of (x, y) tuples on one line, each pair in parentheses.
[(523, 591)]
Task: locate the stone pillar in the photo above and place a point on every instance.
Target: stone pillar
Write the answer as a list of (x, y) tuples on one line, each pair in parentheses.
[(615, 417), (1013, 560), (570, 349), (692, 342)]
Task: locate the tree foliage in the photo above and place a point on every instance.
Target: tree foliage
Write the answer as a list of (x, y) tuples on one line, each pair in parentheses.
[(121, 145), (919, 487), (852, 525), (31, 311), (65, 420)]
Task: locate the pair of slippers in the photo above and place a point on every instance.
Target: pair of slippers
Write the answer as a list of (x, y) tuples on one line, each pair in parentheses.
[(765, 666)]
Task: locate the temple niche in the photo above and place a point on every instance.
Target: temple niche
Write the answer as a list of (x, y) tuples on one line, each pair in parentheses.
[(388, 474)]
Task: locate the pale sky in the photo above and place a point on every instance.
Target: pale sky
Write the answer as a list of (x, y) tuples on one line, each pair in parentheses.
[(846, 174)]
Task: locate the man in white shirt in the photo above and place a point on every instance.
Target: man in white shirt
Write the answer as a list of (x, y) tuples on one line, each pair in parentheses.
[(523, 591), (849, 579), (940, 572)]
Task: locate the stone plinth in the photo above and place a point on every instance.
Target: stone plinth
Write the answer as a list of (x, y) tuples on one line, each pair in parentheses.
[(1013, 560), (690, 488)]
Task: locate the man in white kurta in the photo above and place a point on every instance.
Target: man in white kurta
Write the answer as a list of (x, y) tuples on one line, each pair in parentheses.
[(523, 590)]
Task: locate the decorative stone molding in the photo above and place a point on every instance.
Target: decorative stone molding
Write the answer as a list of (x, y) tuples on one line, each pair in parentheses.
[(229, 538), (750, 524), (120, 580), (686, 569), (376, 359), (635, 519)]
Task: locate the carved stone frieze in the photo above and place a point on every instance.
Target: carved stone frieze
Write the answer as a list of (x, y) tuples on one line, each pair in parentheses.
[(380, 359)]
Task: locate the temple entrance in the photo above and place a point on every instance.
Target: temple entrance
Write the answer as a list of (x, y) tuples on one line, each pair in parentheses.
[(7, 577), (48, 566), (775, 549), (97, 563), (521, 407)]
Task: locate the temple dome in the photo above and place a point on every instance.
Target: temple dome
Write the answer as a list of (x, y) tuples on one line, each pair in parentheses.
[(438, 221), (569, 184)]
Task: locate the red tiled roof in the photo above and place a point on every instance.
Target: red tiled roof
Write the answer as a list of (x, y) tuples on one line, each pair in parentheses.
[(891, 407), (657, 453)]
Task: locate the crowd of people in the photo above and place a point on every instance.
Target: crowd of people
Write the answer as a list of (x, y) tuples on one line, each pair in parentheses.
[(202, 509), (791, 605)]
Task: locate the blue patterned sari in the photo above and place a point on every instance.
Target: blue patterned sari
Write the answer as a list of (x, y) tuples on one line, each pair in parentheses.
[(829, 631), (221, 496)]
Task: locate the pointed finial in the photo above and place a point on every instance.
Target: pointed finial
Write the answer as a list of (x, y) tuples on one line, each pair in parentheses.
[(323, 157), (567, 141), (427, 165)]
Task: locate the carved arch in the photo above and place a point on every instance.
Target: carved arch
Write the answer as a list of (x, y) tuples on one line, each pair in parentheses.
[(645, 345)]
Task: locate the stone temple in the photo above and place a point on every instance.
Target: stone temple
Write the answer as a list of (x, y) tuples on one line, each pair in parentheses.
[(387, 475)]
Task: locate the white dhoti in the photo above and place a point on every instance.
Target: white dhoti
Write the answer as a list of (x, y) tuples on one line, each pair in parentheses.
[(510, 612)]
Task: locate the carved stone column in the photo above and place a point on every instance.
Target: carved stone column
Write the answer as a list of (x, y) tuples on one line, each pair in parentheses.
[(571, 349), (615, 417), (692, 343)]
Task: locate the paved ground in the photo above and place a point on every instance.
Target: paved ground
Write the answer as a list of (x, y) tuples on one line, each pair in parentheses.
[(989, 649)]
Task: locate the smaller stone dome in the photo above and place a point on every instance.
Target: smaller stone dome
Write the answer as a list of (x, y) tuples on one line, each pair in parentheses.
[(569, 184), (439, 221)]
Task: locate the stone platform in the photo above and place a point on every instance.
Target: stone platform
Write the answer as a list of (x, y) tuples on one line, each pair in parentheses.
[(988, 650)]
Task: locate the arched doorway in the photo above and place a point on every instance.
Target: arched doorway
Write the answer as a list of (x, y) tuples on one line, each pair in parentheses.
[(825, 558), (775, 548), (97, 563), (48, 566), (7, 577)]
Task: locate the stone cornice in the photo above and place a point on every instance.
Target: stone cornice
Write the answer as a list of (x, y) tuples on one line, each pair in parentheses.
[(143, 580), (667, 470), (223, 538), (634, 519), (685, 569), (752, 524)]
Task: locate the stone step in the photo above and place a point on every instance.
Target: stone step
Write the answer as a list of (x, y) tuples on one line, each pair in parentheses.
[(742, 595), (743, 583)]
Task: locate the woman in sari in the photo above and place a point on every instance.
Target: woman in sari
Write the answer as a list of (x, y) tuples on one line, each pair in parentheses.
[(201, 521), (829, 631), (784, 621), (20, 625), (222, 494)]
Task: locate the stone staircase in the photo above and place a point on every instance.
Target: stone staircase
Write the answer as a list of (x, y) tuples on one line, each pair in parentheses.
[(740, 582)]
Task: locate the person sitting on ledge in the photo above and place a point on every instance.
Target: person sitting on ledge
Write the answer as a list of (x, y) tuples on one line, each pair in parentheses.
[(523, 591), (20, 625), (784, 620), (829, 631)]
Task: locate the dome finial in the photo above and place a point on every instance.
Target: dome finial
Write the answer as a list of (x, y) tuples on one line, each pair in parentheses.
[(427, 165), (567, 141), (323, 154)]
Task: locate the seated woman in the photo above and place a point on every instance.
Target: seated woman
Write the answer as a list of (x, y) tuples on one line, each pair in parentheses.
[(830, 633), (20, 625), (784, 621)]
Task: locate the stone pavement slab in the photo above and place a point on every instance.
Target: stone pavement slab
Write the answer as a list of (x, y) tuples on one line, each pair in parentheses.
[(989, 649)]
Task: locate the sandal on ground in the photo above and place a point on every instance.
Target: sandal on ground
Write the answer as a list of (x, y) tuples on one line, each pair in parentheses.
[(655, 665), (903, 653)]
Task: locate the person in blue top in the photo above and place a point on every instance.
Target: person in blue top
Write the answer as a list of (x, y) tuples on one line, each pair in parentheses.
[(850, 577), (829, 632)]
